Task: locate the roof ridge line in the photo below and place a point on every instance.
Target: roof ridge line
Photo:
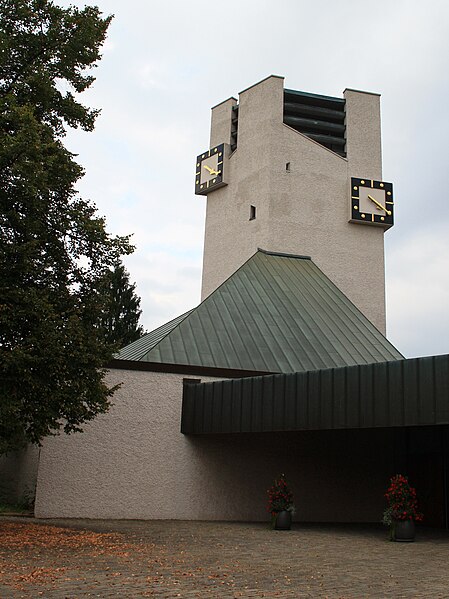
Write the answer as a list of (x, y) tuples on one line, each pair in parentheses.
[(364, 321), (283, 254), (194, 309), (181, 318), (185, 315)]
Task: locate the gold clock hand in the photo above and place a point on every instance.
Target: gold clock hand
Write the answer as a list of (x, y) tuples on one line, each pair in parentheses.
[(379, 205), (211, 170)]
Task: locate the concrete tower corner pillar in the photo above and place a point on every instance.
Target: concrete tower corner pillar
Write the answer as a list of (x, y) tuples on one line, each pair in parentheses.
[(220, 127), (363, 134)]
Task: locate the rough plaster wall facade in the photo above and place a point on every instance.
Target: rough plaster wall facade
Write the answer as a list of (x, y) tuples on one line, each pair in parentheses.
[(134, 463), (304, 210)]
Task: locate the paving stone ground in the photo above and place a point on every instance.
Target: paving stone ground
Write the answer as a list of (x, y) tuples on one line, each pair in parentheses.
[(208, 560)]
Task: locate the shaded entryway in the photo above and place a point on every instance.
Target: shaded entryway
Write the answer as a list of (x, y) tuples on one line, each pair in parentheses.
[(426, 462), (355, 426)]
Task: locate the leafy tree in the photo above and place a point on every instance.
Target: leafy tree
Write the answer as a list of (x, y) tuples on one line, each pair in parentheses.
[(54, 249), (120, 321)]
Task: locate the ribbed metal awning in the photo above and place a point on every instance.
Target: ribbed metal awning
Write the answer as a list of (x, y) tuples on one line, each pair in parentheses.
[(412, 392)]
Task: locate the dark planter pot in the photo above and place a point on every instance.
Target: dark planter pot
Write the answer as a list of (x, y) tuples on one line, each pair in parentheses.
[(283, 521), (404, 531)]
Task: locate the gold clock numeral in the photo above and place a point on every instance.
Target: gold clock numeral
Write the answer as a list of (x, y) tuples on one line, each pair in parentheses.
[(362, 215), (356, 207)]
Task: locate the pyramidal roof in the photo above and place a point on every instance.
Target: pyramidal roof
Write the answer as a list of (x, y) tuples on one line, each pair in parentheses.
[(277, 313)]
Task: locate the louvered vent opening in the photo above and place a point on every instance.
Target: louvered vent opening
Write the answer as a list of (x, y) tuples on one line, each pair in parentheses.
[(234, 127), (321, 118)]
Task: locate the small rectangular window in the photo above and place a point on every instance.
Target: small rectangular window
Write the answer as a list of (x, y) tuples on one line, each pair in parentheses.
[(287, 166), (252, 212)]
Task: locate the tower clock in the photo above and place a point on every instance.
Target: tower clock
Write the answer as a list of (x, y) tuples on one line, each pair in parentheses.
[(371, 202), (211, 169)]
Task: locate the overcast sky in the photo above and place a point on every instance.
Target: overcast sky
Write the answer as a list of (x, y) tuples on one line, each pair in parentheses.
[(165, 64)]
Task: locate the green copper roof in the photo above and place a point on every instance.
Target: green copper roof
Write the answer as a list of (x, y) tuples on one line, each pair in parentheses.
[(137, 349), (277, 313)]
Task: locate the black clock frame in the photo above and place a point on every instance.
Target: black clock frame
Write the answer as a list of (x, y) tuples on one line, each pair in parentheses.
[(218, 180), (383, 220)]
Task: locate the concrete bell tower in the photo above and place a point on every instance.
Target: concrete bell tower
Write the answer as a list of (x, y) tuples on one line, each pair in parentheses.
[(288, 175)]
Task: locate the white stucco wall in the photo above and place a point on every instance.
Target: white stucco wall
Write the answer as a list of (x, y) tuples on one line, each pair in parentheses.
[(134, 463), (304, 210)]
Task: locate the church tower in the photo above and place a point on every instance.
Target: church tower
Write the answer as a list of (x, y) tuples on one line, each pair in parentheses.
[(298, 173)]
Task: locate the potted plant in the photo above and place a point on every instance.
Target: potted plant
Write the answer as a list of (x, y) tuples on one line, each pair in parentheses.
[(402, 510), (280, 504)]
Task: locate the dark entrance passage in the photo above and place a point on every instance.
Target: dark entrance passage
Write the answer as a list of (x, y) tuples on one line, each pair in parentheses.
[(408, 398), (427, 467)]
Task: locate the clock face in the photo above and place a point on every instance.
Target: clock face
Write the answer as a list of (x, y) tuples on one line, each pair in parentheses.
[(371, 202), (210, 170)]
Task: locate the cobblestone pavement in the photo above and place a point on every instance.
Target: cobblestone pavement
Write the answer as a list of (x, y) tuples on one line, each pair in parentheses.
[(206, 560)]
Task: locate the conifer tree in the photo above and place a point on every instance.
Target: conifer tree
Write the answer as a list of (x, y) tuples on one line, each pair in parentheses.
[(120, 321)]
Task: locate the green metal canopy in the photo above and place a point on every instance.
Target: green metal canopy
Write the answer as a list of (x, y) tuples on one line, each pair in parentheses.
[(277, 313), (401, 393)]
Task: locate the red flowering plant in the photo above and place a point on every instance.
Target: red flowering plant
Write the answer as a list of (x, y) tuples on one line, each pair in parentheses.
[(402, 502), (280, 497)]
